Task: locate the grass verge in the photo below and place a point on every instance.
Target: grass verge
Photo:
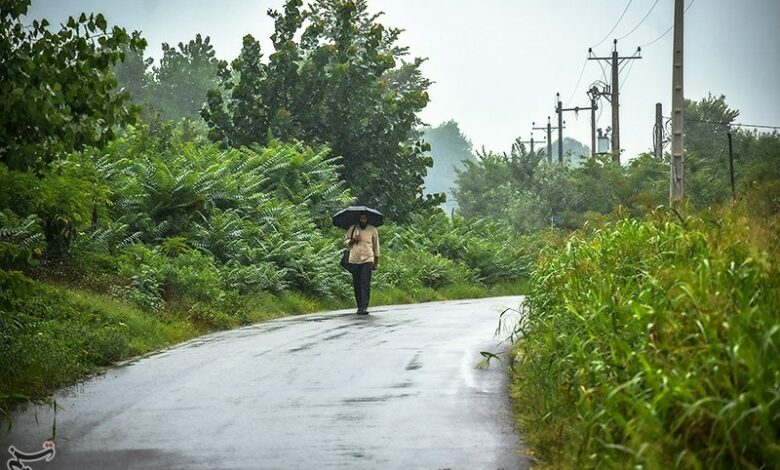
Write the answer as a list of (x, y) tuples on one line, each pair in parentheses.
[(651, 344)]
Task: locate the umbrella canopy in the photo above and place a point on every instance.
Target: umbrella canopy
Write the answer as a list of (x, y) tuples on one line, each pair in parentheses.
[(349, 216)]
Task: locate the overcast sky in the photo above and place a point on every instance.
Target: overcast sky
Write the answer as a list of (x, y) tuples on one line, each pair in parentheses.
[(497, 64)]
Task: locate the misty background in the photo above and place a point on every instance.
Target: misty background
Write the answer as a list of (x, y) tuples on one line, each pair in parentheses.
[(497, 65)]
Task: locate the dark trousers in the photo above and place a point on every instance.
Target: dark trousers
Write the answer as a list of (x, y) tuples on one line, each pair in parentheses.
[(361, 281)]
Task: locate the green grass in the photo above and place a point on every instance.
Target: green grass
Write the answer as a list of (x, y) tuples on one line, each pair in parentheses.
[(654, 344)]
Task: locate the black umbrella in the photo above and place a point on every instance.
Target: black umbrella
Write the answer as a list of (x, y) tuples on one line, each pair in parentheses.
[(349, 216)]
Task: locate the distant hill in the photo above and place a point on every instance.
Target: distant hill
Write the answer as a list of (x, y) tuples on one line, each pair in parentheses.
[(573, 149), (449, 148)]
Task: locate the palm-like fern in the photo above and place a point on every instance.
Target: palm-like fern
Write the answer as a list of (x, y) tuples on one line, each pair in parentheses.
[(21, 240)]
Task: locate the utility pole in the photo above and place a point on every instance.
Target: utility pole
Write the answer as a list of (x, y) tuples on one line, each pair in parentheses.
[(531, 142), (658, 132), (548, 129), (731, 169), (593, 107), (593, 94), (560, 126), (614, 97), (676, 182)]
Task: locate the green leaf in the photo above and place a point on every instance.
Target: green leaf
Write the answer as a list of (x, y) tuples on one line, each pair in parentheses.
[(100, 21)]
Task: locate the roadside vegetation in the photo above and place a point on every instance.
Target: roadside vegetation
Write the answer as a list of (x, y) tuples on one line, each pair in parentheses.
[(649, 338), (655, 343)]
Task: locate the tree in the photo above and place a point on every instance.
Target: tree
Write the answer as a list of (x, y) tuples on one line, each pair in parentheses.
[(184, 77), (342, 85), (59, 91), (707, 122), (133, 76), (483, 187), (449, 149)]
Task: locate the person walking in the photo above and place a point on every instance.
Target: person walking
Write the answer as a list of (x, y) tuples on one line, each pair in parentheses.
[(363, 242)]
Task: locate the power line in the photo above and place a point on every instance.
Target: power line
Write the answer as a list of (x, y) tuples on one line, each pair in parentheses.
[(625, 78), (732, 124), (640, 23), (578, 81), (603, 72), (616, 25), (667, 31)]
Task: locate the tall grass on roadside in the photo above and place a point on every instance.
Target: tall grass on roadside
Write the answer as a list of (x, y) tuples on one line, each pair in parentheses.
[(654, 344)]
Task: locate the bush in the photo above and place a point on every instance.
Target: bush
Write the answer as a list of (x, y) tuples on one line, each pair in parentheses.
[(21, 240), (491, 249), (412, 269)]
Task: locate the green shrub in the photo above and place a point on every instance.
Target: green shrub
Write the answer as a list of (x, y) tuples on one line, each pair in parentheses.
[(21, 240), (492, 249), (413, 268)]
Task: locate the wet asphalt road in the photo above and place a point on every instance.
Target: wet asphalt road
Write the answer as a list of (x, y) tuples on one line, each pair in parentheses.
[(395, 389)]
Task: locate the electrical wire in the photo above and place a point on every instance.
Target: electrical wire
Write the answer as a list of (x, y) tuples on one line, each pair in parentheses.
[(585, 63), (616, 25), (640, 23), (667, 31), (603, 72), (732, 124), (623, 81)]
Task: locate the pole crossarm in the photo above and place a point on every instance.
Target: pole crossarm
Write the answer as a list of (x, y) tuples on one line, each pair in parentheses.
[(613, 92), (577, 109)]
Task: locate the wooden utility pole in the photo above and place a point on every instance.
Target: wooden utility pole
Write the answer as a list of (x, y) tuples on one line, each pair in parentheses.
[(548, 129), (614, 61), (676, 182), (658, 132)]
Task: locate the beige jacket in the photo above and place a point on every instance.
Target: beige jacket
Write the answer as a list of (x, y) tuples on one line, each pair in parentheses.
[(365, 250)]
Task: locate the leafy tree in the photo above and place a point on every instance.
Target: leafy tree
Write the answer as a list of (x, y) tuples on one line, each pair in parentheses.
[(58, 89), (341, 84), (184, 77), (706, 147), (483, 186), (449, 149), (133, 75), (178, 88)]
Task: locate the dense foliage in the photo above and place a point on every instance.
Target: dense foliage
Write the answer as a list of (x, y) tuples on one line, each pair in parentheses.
[(657, 343), (58, 91), (337, 77)]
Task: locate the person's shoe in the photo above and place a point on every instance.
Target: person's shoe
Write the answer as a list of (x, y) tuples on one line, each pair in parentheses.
[(362, 312)]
